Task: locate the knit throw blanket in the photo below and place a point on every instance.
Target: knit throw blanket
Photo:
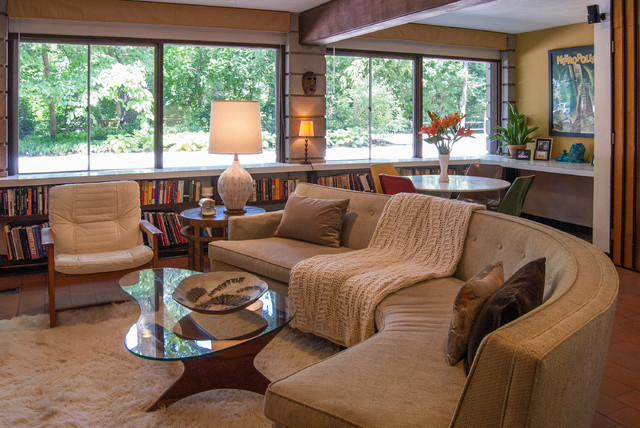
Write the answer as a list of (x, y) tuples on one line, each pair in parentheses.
[(418, 237)]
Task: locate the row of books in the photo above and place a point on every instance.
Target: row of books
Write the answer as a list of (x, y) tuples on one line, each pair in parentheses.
[(24, 242), (169, 191), (170, 225), (271, 189), (361, 181), (30, 200)]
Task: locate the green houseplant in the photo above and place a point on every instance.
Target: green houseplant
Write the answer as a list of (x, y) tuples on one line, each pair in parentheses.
[(516, 134)]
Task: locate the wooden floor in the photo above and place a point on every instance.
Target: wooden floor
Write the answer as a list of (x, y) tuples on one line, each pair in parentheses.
[(618, 404)]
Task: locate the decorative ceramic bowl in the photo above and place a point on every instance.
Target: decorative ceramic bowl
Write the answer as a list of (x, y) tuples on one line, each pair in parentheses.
[(219, 292)]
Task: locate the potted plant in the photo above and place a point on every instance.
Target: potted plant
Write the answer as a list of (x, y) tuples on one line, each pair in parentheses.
[(516, 134)]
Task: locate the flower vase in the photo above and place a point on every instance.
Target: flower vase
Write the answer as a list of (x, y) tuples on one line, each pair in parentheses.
[(444, 167)]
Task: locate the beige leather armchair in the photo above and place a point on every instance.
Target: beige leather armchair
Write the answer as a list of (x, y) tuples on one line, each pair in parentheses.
[(95, 235)]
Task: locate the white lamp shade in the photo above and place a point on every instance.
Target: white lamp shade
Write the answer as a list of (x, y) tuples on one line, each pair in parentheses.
[(306, 128), (235, 127)]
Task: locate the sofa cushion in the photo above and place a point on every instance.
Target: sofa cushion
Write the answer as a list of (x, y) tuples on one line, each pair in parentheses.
[(466, 307), (270, 257), (313, 220), (398, 377), (520, 293)]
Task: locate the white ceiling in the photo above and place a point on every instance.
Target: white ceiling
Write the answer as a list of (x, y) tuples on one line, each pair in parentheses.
[(506, 16)]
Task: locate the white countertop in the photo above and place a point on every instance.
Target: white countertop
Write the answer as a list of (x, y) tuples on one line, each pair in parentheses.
[(552, 166)]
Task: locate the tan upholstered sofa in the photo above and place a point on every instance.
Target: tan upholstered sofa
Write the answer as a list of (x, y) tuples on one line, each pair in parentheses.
[(541, 370)]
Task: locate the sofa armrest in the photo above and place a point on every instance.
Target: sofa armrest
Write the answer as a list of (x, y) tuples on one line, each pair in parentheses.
[(254, 226)]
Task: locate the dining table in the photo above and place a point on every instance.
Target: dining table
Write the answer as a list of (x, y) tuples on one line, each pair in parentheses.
[(457, 184)]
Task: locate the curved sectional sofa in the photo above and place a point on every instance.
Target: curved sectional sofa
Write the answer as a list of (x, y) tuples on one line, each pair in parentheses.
[(543, 369)]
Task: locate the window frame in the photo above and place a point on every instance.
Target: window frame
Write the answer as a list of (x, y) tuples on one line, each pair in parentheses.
[(158, 86), (495, 79)]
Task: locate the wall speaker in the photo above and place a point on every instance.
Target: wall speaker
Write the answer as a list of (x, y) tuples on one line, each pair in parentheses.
[(594, 15)]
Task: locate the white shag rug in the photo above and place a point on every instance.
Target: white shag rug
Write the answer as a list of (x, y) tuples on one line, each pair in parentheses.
[(79, 374)]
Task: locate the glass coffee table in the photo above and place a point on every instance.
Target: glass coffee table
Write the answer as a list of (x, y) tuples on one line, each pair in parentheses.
[(217, 351)]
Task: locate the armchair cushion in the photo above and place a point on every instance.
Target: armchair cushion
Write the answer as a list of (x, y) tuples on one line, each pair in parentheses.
[(84, 224), (79, 264)]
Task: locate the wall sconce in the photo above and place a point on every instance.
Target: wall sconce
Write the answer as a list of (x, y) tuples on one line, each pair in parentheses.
[(306, 131)]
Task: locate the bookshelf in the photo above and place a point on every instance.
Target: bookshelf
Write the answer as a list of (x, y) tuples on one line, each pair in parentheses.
[(164, 194)]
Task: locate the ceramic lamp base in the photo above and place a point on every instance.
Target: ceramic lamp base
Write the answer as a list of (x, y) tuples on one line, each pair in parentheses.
[(235, 187)]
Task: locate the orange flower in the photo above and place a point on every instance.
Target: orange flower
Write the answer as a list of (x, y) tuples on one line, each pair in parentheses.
[(465, 132), (433, 129)]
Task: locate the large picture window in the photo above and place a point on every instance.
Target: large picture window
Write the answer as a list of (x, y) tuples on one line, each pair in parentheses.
[(370, 104), (196, 75), (84, 107), (90, 106), (450, 86), (369, 107)]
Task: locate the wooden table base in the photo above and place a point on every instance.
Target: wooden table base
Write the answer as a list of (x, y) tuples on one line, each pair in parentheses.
[(232, 368)]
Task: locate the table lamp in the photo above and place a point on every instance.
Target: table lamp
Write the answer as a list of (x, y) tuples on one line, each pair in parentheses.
[(306, 131), (235, 129)]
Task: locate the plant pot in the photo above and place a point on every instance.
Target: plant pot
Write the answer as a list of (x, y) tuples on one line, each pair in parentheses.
[(444, 167), (513, 149)]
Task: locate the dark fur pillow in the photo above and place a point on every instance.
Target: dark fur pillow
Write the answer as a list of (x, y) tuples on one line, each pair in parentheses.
[(519, 294)]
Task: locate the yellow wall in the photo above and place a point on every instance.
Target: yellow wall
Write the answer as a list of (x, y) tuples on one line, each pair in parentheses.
[(532, 78)]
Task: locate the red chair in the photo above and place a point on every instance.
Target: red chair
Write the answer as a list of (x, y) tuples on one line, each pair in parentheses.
[(392, 184)]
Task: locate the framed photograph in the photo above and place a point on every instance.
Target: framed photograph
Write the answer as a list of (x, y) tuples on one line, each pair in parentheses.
[(541, 155), (571, 83), (543, 144), (523, 154)]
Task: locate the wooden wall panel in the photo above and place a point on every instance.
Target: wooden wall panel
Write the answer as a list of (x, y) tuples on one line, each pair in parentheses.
[(625, 180)]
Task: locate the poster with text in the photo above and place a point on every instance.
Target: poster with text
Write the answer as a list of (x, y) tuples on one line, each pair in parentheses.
[(571, 88)]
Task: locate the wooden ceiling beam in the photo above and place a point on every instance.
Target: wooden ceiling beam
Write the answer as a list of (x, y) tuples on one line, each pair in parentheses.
[(343, 19)]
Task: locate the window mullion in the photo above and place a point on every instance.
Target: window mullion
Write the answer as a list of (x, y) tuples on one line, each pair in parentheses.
[(158, 106), (370, 103), (417, 106), (88, 107)]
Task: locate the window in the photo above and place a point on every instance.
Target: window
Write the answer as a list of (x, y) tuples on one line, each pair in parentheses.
[(196, 75), (84, 107), (369, 108), (450, 86), (370, 104), (90, 106)]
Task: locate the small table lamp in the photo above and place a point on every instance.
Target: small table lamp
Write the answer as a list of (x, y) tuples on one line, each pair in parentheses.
[(306, 131), (235, 129)]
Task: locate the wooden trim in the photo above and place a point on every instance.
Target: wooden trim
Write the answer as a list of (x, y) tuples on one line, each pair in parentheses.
[(625, 164), (443, 36), (151, 13), (342, 19)]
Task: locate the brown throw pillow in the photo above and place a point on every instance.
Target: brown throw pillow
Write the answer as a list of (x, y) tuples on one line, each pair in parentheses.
[(313, 220), (519, 294), (466, 307)]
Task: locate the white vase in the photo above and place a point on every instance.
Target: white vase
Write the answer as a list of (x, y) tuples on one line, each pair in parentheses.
[(444, 167)]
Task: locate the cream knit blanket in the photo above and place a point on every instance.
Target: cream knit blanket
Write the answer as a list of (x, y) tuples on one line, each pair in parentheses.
[(418, 237)]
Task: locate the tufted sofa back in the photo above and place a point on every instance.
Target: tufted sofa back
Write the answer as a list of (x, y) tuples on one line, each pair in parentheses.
[(95, 217), (544, 368), (362, 216)]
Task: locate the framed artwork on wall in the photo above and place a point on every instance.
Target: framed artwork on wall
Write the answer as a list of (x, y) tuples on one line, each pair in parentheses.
[(571, 89)]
